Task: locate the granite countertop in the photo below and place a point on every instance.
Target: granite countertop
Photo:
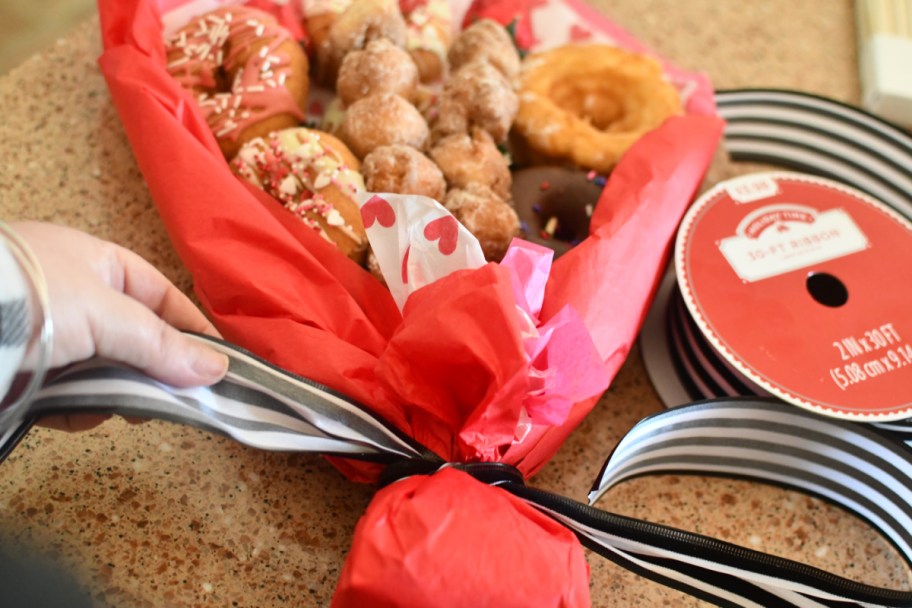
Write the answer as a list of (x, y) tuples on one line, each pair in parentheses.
[(164, 515)]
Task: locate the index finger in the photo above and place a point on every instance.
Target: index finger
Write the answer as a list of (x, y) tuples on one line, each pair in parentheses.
[(147, 285)]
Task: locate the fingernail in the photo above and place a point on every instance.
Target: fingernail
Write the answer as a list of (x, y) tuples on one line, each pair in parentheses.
[(211, 365)]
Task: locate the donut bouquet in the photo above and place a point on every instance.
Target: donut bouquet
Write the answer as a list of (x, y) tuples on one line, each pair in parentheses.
[(453, 214)]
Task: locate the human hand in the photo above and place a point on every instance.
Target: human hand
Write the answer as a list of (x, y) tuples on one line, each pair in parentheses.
[(108, 301)]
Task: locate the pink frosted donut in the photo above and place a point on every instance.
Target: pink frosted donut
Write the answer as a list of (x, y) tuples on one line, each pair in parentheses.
[(249, 76)]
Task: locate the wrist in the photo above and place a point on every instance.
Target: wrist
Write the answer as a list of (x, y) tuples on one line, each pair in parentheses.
[(25, 325)]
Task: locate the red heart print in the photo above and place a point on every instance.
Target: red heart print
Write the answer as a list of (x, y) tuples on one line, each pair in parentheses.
[(379, 209), (578, 33), (405, 265), (316, 108), (446, 229)]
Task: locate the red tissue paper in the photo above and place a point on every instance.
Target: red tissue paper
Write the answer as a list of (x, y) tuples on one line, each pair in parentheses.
[(440, 539), (452, 369)]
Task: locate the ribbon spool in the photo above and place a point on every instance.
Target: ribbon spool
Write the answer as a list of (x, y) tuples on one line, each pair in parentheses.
[(800, 286), (799, 131)]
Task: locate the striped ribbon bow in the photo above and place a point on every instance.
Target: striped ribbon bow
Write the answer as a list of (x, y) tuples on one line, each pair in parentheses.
[(863, 468)]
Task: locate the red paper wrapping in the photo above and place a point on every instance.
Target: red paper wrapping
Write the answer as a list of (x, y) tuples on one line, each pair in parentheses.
[(452, 369), (421, 540)]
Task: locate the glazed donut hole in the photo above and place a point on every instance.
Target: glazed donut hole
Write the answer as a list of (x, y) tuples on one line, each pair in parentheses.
[(477, 95), (431, 66), (488, 41), (362, 22), (381, 67), (403, 170), (382, 119), (487, 216), (473, 158)]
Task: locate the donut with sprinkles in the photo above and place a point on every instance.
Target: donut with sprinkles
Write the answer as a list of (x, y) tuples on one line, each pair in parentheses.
[(313, 175), (246, 72)]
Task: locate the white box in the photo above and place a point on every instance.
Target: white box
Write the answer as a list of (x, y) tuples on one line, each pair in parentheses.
[(885, 58)]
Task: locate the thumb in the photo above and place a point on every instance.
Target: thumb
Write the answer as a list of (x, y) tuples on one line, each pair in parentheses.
[(130, 333)]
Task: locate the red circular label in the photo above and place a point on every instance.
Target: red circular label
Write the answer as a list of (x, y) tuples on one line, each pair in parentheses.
[(805, 286)]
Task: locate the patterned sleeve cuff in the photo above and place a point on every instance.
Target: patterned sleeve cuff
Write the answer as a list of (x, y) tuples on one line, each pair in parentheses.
[(25, 326), (15, 316)]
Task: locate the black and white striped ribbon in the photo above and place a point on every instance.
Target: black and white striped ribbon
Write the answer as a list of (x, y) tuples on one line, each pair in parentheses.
[(257, 404), (847, 463), (850, 464), (820, 136), (703, 374)]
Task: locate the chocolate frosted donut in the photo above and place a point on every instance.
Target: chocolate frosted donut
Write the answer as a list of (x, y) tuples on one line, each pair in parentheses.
[(555, 204)]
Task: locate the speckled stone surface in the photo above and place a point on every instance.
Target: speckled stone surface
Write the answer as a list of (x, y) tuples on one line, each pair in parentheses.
[(163, 515)]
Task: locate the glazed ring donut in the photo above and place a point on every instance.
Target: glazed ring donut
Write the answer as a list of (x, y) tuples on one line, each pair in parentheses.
[(589, 103), (315, 177), (248, 74)]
